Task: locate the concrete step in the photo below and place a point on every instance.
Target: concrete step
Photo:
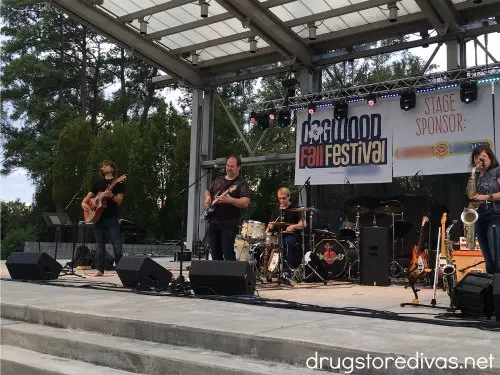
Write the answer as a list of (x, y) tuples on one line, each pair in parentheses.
[(17, 361), (135, 355)]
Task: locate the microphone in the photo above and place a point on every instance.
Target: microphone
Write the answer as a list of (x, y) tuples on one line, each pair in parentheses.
[(419, 171), (308, 179), (346, 181), (481, 158)]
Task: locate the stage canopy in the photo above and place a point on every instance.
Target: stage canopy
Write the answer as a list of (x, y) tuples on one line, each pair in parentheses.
[(206, 43)]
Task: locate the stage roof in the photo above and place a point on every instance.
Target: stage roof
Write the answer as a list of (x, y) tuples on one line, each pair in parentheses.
[(174, 32)]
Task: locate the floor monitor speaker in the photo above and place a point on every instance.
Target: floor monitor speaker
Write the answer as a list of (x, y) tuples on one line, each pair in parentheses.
[(374, 256), (474, 294), (143, 273), (33, 266), (220, 277)]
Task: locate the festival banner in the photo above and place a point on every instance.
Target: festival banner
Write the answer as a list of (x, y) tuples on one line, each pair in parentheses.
[(357, 149), (438, 135)]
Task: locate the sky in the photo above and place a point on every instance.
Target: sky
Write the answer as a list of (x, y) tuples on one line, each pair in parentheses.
[(17, 185)]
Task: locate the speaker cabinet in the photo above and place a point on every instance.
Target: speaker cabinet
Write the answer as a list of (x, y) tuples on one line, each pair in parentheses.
[(33, 266), (496, 295), (374, 256), (474, 295), (221, 277), (143, 273)]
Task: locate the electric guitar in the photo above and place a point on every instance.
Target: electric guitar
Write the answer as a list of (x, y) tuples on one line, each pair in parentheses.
[(419, 257), (99, 203), (208, 211)]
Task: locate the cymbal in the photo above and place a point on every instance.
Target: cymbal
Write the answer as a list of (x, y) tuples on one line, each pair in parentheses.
[(280, 224), (355, 209), (323, 231), (303, 209), (387, 210)]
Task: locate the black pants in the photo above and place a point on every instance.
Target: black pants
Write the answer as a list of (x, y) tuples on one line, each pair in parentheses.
[(221, 237)]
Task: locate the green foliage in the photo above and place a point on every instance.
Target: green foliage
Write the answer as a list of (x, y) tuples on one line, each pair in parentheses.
[(17, 226)]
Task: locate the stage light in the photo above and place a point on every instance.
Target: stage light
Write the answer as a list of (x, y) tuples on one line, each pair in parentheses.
[(424, 35), (371, 100), (408, 100), (393, 12), (311, 108), (143, 26), (262, 121), (284, 117), (312, 30), (204, 8), (468, 92), (340, 110), (195, 58), (252, 118), (272, 115), (253, 44)]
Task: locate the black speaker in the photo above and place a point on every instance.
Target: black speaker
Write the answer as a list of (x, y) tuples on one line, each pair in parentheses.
[(374, 243), (141, 272), (221, 277), (496, 295), (33, 266), (474, 294)]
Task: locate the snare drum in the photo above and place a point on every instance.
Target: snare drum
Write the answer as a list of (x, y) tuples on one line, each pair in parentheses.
[(348, 230), (337, 257), (253, 230), (271, 240)]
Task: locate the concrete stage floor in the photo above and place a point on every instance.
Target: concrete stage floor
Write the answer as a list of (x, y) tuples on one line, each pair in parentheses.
[(354, 317)]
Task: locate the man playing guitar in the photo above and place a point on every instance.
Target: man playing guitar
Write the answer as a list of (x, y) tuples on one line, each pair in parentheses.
[(227, 195), (108, 224)]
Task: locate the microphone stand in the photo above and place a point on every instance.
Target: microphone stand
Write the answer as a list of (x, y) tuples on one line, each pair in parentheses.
[(75, 224), (179, 285)]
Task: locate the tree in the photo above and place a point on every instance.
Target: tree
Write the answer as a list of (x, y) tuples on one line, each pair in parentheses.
[(17, 226)]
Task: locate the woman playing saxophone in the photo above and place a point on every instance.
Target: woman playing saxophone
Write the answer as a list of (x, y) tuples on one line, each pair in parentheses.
[(488, 197)]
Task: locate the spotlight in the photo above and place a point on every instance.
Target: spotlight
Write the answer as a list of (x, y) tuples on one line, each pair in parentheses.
[(262, 121), (204, 8), (311, 108), (371, 100), (252, 118), (393, 12), (284, 117), (253, 44), (195, 58), (408, 100), (424, 35), (340, 110), (143, 26), (312, 30), (272, 115), (468, 92)]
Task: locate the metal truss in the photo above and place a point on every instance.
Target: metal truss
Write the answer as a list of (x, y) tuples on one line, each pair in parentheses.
[(427, 82)]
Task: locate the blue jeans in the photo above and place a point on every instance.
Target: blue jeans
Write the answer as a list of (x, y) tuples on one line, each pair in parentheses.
[(109, 226), (221, 238), (484, 233), (291, 241)]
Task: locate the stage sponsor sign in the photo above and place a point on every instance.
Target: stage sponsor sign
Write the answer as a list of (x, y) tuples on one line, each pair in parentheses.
[(357, 149), (438, 135)]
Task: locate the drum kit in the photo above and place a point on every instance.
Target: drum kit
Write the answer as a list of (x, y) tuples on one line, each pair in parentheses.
[(325, 255)]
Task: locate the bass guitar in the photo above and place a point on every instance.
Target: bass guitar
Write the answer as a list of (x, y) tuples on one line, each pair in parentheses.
[(419, 257), (208, 211), (99, 203)]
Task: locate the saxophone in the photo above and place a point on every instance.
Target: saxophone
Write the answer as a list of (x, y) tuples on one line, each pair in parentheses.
[(469, 215), (449, 269)]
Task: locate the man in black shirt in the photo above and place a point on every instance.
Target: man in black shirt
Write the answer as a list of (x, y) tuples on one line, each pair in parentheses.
[(108, 224), (291, 233), (227, 195)]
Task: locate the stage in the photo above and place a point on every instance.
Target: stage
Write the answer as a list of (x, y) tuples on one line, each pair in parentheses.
[(279, 329)]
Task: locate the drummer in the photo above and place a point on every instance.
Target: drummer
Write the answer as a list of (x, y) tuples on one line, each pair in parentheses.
[(291, 232)]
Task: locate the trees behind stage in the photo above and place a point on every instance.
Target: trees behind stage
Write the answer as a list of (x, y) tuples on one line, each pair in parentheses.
[(70, 99)]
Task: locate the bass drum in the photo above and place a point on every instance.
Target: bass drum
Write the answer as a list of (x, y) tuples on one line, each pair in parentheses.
[(339, 258)]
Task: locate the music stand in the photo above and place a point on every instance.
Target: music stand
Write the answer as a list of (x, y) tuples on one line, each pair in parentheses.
[(57, 220)]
